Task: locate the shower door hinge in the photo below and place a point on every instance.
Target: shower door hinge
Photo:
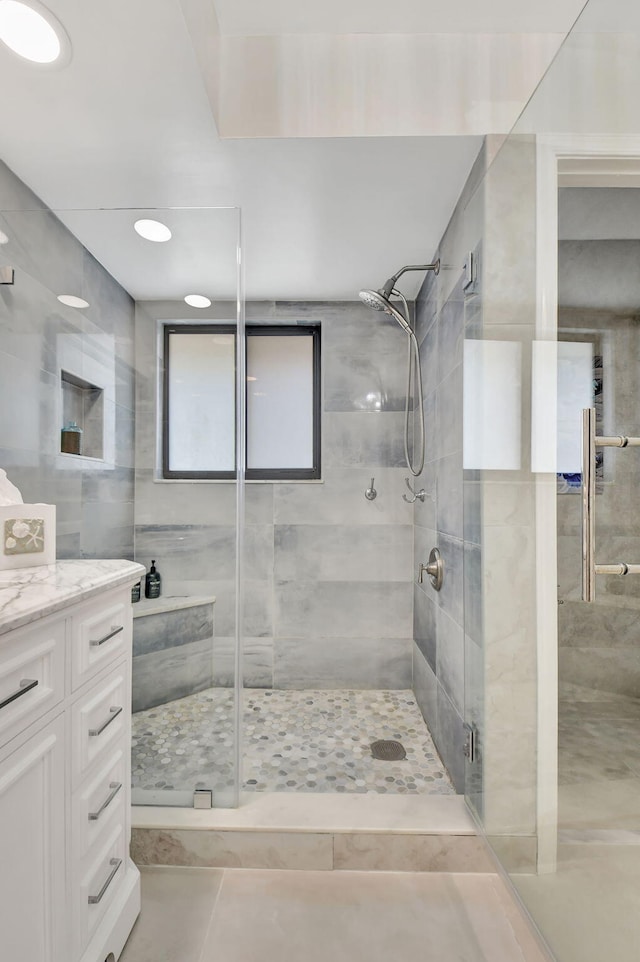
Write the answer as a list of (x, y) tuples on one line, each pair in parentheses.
[(203, 798), (469, 744)]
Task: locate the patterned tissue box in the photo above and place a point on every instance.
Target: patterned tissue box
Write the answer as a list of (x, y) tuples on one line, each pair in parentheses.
[(28, 535)]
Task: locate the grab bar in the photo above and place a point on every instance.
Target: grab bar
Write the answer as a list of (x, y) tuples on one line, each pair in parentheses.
[(591, 441)]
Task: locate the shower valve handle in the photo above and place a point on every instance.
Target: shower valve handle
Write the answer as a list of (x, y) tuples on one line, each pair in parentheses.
[(434, 568)]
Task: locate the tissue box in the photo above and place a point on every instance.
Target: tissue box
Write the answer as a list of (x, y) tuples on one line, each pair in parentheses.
[(28, 533)]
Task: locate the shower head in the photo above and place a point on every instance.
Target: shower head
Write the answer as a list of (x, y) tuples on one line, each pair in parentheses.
[(379, 301)]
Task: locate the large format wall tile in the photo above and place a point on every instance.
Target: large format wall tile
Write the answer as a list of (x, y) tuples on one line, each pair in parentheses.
[(343, 609), (342, 663), (363, 440), (340, 499), (36, 336), (162, 676), (343, 552)]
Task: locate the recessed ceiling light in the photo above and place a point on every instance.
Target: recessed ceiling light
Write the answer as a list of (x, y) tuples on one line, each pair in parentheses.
[(153, 230), (3, 238), (33, 32), (72, 301), (197, 300)]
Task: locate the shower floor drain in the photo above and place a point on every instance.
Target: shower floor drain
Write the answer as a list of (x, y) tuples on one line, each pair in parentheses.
[(388, 751)]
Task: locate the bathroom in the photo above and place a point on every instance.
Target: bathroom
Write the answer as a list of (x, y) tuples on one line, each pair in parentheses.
[(297, 624)]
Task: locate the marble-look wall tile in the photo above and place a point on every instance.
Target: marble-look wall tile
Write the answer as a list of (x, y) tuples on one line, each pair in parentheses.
[(449, 498), (189, 551), (425, 688), (450, 661), (365, 382), (425, 632), (473, 592), (257, 662), (449, 738), (275, 850), (343, 553), (449, 413), (162, 676), (606, 668), (363, 440), (451, 333), (342, 663), (340, 499), (343, 609), (34, 326), (170, 629), (411, 853), (450, 596)]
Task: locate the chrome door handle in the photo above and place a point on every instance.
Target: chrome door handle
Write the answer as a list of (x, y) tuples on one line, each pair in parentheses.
[(590, 441), (113, 714), (94, 899), (115, 788), (25, 685), (115, 630)]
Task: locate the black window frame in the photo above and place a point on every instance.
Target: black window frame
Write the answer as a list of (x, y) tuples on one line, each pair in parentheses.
[(251, 330)]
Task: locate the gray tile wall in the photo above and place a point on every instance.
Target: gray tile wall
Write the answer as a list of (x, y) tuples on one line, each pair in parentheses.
[(328, 574), (439, 642), (94, 503)]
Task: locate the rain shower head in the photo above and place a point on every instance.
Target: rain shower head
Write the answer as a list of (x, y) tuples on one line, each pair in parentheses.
[(379, 301)]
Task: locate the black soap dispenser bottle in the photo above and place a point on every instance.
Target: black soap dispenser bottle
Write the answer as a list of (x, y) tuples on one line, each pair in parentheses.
[(152, 582)]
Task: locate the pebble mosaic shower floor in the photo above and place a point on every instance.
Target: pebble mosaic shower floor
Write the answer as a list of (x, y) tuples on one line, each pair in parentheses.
[(294, 741)]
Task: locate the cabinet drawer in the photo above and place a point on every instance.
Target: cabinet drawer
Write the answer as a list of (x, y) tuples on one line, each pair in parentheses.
[(99, 720), (99, 803), (31, 676), (95, 889), (100, 634)]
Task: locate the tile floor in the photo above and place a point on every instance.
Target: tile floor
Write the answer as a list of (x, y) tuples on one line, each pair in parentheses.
[(598, 760), (293, 741), (589, 909), (241, 915)]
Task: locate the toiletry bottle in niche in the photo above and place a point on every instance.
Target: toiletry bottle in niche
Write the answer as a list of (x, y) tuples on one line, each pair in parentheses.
[(71, 439), (135, 593), (152, 582)]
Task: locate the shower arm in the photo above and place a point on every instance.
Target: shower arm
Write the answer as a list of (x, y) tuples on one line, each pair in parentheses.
[(389, 285)]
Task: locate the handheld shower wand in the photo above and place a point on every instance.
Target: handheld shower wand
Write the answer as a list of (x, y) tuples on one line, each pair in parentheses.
[(380, 301)]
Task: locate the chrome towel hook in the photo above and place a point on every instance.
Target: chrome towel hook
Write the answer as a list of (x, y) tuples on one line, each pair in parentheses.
[(417, 495), (371, 494)]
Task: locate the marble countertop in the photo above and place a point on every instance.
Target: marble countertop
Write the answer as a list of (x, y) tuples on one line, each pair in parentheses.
[(28, 594)]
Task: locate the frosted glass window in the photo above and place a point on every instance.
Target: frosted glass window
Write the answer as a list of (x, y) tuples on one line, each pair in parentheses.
[(200, 403), (280, 399), (283, 402)]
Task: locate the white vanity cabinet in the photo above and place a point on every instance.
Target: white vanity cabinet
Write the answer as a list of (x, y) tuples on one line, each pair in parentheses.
[(69, 891)]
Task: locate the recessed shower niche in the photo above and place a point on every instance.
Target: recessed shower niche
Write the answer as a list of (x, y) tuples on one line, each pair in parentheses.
[(82, 430), (86, 415)]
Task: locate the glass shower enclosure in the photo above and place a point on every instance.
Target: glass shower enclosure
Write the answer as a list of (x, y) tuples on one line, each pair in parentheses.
[(92, 345), (551, 595)]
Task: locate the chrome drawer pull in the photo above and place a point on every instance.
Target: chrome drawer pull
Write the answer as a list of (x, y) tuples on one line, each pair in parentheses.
[(115, 788), (115, 630), (113, 714), (94, 899), (25, 685)]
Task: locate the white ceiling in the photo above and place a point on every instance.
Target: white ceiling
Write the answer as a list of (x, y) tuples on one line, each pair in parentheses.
[(128, 124), (269, 17)]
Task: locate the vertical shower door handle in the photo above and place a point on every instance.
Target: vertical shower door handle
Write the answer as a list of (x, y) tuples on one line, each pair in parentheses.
[(590, 442)]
